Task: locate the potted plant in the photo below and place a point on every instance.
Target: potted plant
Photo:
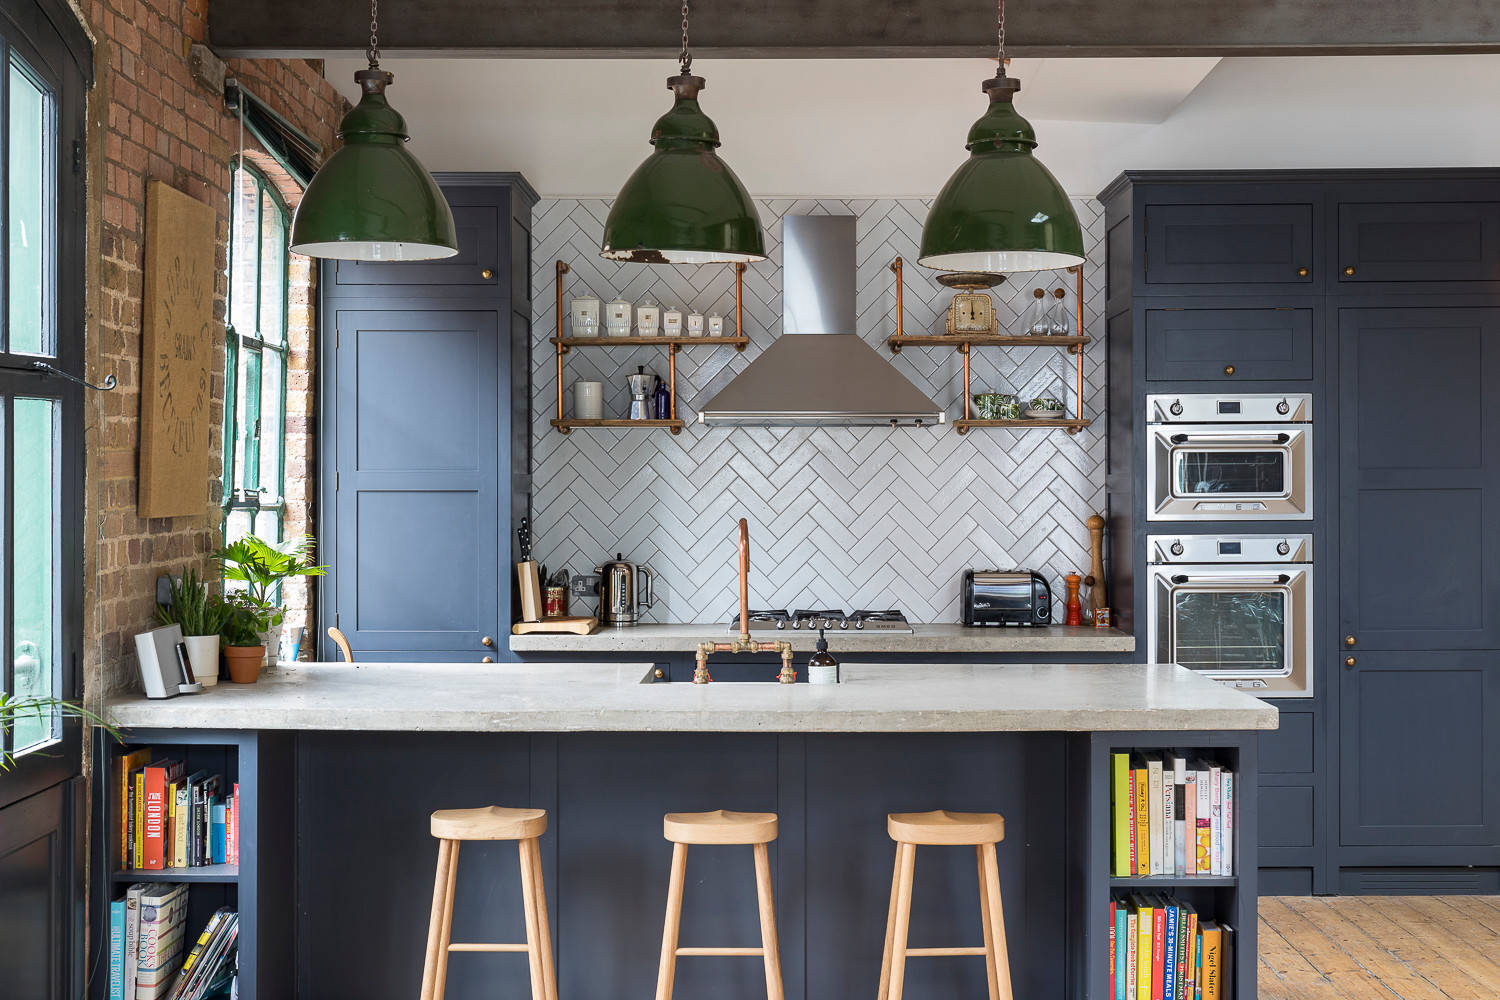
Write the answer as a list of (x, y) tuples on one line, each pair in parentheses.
[(254, 611), (13, 709), (200, 615)]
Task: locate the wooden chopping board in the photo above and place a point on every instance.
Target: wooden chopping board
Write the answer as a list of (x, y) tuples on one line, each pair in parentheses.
[(574, 626)]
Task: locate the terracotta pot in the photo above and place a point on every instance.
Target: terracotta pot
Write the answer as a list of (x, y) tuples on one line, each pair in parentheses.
[(244, 662)]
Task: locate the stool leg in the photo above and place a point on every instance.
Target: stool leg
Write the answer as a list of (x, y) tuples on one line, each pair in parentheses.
[(544, 926), (906, 865), (989, 926), (890, 926), (1001, 958), (533, 930), (768, 942), (674, 921), (435, 966)]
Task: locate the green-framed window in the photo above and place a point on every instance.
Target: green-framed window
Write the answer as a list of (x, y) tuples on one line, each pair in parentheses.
[(255, 359)]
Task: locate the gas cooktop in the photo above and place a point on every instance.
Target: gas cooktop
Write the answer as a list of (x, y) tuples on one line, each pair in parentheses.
[(812, 619)]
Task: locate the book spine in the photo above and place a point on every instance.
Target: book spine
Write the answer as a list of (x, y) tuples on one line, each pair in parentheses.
[(1179, 812), (1216, 825), (179, 826), (1169, 956), (1228, 851), (1142, 824), (117, 950), (1190, 958), (1120, 812), (1154, 821), (1158, 953), (125, 855), (1168, 822), (1122, 950), (132, 939), (1132, 946), (1114, 941), (1212, 941), (1134, 840), (1203, 849), (234, 826), (195, 827), (1143, 956), (216, 840), (1190, 823), (1198, 967), (137, 839), (154, 818)]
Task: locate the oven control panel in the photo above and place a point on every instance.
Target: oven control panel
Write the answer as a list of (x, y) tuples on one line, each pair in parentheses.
[(1229, 548)]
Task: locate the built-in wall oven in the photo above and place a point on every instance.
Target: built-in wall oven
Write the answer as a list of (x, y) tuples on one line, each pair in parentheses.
[(1229, 458), (1237, 608)]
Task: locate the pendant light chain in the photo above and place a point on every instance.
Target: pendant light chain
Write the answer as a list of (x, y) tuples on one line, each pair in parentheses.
[(374, 49), (685, 57), (1000, 37)]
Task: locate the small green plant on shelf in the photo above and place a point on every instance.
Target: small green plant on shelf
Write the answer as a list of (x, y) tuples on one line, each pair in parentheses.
[(192, 606), (14, 710), (252, 612)]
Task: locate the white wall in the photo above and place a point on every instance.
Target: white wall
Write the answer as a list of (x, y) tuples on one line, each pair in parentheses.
[(880, 128)]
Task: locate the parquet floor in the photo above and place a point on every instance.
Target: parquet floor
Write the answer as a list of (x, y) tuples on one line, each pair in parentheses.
[(1379, 947)]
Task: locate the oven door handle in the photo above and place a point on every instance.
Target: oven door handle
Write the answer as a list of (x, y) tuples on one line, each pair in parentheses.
[(1244, 581), (1229, 437)]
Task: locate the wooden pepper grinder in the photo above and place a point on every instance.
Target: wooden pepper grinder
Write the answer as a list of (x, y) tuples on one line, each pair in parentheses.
[(1075, 609), (1095, 580)]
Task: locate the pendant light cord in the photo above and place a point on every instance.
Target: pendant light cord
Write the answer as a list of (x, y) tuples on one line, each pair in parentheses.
[(373, 51), (685, 57)]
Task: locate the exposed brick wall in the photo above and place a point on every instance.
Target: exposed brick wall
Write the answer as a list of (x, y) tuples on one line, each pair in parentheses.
[(148, 118)]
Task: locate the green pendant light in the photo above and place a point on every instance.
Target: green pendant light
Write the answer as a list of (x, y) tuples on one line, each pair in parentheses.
[(1002, 210), (684, 205), (373, 200)]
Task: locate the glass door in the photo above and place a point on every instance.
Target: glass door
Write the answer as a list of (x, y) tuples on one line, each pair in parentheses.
[(1230, 631)]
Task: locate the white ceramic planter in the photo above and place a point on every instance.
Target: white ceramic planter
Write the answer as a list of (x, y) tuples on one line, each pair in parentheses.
[(203, 654)]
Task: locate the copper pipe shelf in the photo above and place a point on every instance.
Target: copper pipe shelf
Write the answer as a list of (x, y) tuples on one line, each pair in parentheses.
[(963, 344), (1073, 426), (567, 425), (562, 345), (566, 343), (960, 341)]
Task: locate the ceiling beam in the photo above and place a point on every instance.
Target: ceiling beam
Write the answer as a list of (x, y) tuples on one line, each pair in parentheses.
[(859, 28)]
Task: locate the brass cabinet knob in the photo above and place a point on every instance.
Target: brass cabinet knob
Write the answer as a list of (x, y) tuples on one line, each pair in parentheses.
[(486, 641), (1229, 369), (1348, 640), (1301, 272), (659, 673), (1348, 661), (486, 274), (1349, 271), (487, 659)]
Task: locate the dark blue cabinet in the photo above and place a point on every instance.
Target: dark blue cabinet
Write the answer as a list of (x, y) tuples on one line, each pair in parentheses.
[(1188, 343), (425, 375), (1225, 244), (1411, 241)]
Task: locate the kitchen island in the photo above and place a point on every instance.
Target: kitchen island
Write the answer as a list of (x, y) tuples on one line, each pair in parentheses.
[(340, 765)]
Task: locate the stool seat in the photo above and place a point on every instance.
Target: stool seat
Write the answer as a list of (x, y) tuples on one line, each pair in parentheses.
[(941, 828), (489, 823), (720, 826)]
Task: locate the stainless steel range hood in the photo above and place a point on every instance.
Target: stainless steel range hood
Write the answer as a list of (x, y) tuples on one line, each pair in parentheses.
[(819, 371)]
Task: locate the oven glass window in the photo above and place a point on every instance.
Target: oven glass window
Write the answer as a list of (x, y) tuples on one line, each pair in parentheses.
[(1240, 472), (1230, 631)]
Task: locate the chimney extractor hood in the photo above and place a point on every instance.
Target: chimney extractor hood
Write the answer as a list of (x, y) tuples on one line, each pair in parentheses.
[(819, 371)]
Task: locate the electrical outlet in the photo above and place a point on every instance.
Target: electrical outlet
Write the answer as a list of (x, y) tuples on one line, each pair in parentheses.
[(164, 589)]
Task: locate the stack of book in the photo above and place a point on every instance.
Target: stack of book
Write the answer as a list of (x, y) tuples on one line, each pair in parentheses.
[(1172, 815), (170, 819), (1160, 949), (147, 939)]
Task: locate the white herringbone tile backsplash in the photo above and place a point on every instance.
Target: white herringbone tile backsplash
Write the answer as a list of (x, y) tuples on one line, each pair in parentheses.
[(864, 517)]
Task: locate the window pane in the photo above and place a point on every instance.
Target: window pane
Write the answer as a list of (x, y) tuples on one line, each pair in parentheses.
[(35, 552), (250, 416), (236, 526), (268, 525), (272, 397), (28, 254), (243, 244), (272, 271)]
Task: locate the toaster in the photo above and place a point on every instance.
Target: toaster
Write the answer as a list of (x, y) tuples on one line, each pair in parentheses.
[(996, 597)]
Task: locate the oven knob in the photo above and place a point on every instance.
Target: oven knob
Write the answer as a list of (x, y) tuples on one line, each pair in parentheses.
[(1283, 407), (1282, 548), (1176, 408), (1176, 548), (781, 624)]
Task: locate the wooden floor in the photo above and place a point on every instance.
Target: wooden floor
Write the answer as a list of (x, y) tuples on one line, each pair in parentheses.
[(1380, 947)]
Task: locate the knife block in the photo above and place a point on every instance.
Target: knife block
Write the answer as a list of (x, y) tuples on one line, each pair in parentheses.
[(529, 583)]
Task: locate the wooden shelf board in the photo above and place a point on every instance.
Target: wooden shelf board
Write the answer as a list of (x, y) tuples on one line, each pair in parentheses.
[(203, 873), (998, 340), (567, 425), (1073, 426), (739, 341), (1147, 881)]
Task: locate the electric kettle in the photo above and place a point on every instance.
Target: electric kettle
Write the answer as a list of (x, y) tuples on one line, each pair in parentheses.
[(624, 591)]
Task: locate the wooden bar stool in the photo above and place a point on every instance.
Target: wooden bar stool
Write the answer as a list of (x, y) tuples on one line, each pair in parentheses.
[(525, 826), (720, 827), (945, 829)]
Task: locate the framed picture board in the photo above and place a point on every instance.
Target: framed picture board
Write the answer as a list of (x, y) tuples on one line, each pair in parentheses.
[(177, 350)]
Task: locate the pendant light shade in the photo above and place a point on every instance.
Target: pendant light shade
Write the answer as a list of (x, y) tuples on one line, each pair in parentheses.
[(1002, 210)]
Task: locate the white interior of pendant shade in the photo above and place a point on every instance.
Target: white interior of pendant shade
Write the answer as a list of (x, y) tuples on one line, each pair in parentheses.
[(1001, 261), (685, 256), (366, 250)]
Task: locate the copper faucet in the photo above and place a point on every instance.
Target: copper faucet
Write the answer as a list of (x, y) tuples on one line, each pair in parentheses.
[(743, 643)]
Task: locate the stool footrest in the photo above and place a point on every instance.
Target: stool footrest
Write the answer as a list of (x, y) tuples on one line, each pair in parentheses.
[(489, 947), (721, 951), (944, 952)]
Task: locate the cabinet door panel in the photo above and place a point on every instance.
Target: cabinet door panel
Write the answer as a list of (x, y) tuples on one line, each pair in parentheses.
[(1417, 749), (1419, 241), (478, 228), (1419, 444), (1198, 344), (1205, 244)]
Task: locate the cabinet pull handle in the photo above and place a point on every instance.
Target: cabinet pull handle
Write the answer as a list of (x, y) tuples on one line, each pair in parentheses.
[(1229, 369), (1349, 271), (1348, 661), (1301, 272), (1348, 640), (486, 641), (487, 659), (486, 274)]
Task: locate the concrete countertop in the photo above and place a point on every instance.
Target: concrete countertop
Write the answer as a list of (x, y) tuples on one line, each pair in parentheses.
[(939, 638), (610, 697)]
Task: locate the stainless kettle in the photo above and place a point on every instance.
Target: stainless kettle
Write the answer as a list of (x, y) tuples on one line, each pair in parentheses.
[(624, 591)]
